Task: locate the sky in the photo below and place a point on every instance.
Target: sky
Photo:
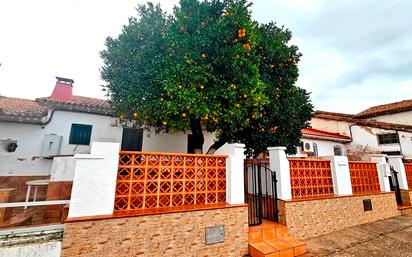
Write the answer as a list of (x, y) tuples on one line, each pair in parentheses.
[(356, 53)]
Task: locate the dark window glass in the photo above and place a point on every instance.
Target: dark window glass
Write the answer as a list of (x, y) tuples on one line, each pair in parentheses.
[(132, 139), (391, 138), (190, 144), (337, 150), (80, 134)]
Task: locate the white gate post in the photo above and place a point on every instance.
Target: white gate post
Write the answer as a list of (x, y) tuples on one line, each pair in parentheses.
[(94, 182), (383, 171), (280, 164), (342, 184), (397, 164), (235, 192)]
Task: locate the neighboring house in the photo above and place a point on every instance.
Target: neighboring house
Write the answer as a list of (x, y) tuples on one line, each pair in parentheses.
[(32, 132), (369, 135), (321, 143), (398, 112)]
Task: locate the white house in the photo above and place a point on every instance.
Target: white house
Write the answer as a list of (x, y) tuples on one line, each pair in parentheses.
[(398, 112), (368, 134), (32, 132)]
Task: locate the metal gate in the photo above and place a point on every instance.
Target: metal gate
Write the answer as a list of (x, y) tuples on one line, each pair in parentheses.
[(394, 184), (260, 191)]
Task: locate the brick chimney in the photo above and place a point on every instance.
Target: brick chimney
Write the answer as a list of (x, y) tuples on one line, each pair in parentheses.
[(63, 90)]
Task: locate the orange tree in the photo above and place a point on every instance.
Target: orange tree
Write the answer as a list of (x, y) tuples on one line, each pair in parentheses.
[(208, 67)]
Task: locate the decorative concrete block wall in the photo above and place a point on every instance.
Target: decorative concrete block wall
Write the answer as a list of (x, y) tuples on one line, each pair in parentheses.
[(310, 218), (173, 234)]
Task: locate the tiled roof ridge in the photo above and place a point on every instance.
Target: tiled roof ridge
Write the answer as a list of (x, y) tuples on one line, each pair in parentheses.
[(389, 108), (361, 121), (36, 111)]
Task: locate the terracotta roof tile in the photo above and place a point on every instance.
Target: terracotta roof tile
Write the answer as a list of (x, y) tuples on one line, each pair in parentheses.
[(78, 101), (361, 121), (321, 133), (390, 108), (18, 109), (21, 107)]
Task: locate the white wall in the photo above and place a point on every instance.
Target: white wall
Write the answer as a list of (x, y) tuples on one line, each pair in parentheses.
[(406, 144), (63, 168), (325, 148), (30, 138), (367, 136), (334, 126), (399, 118), (37, 249), (171, 143)]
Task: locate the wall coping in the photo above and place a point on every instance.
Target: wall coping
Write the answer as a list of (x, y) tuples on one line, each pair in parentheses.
[(89, 156), (156, 211), (276, 148), (332, 197)]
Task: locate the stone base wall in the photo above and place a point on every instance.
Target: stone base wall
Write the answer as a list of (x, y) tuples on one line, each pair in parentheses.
[(406, 197), (310, 218), (172, 234)]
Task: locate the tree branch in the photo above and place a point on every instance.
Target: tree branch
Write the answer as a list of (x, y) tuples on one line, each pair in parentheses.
[(216, 145)]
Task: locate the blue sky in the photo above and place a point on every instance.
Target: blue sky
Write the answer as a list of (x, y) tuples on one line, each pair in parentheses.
[(355, 53)]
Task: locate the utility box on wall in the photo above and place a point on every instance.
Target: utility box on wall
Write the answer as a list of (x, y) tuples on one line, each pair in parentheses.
[(51, 145)]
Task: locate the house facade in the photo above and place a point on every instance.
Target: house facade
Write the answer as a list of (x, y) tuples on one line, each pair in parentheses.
[(369, 134), (32, 132)]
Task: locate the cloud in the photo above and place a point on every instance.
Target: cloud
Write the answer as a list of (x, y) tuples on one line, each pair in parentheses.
[(355, 53)]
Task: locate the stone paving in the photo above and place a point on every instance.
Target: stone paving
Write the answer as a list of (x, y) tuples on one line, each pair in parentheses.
[(385, 238)]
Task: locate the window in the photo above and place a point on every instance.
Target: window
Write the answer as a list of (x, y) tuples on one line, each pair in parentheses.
[(190, 144), (80, 134), (391, 138), (337, 150), (132, 139)]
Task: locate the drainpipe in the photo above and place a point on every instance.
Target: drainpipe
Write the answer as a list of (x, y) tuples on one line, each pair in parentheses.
[(350, 132)]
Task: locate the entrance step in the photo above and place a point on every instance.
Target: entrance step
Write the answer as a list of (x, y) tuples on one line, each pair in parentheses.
[(268, 230), (405, 209), (270, 239), (281, 247)]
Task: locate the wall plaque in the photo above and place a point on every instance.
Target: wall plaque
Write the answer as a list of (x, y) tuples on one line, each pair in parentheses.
[(214, 235)]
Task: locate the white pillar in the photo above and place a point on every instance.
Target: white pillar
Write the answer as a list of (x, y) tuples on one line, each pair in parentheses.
[(379, 158), (397, 164), (280, 164), (94, 182), (342, 184), (235, 191), (383, 171)]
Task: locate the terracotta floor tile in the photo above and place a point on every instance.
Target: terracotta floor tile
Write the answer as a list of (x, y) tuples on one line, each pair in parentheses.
[(292, 241), (299, 250), (281, 231), (268, 234), (255, 237), (261, 249), (284, 249)]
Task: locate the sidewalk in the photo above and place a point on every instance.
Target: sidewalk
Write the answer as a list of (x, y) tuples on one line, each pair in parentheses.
[(386, 238)]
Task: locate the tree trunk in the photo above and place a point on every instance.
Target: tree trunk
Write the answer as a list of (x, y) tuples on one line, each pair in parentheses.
[(216, 145), (198, 138)]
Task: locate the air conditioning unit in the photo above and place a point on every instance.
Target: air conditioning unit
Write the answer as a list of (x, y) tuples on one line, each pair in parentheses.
[(51, 145), (307, 147)]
